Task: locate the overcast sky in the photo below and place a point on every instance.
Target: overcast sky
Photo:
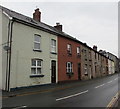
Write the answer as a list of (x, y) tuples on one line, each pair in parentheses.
[(95, 23)]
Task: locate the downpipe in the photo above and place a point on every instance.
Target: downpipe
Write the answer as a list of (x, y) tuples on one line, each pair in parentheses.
[(8, 67)]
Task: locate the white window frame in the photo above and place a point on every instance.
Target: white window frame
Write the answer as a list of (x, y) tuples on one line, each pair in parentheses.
[(53, 45), (69, 48), (69, 69), (85, 68), (36, 66), (37, 42), (78, 50)]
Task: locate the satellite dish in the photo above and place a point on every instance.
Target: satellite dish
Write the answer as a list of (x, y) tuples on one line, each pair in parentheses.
[(6, 48)]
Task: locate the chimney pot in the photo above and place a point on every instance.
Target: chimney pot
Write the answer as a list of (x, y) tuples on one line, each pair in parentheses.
[(57, 24)]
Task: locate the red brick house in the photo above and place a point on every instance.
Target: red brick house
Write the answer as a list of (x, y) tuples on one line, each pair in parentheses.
[(69, 58)]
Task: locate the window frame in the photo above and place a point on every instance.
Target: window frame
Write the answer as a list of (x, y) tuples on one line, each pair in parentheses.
[(69, 68), (78, 49), (69, 48), (37, 42), (36, 66), (85, 69), (53, 47)]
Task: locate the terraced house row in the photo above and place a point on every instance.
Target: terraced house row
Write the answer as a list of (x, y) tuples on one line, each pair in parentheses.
[(34, 53)]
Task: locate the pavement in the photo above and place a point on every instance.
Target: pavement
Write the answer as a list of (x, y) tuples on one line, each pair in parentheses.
[(91, 93)]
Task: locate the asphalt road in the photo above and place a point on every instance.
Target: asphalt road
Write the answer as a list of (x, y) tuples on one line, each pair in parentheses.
[(94, 93)]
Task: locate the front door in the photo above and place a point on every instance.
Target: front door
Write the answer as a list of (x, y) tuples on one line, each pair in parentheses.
[(53, 71), (79, 71)]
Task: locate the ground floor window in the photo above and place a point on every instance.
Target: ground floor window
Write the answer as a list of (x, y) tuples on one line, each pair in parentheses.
[(85, 68), (36, 66), (69, 67)]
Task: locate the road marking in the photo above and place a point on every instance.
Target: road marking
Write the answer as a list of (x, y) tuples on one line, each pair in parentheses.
[(109, 81), (71, 95), (99, 86), (20, 107), (44, 91), (115, 78)]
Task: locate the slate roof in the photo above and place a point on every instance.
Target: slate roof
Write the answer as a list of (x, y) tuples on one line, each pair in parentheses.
[(40, 25), (19, 17)]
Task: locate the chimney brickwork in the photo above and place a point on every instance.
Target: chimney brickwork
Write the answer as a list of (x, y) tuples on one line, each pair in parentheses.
[(37, 15), (58, 26)]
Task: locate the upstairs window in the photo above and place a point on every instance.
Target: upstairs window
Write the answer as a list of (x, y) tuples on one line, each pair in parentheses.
[(78, 51), (95, 56), (36, 66), (85, 52), (53, 46), (69, 48), (69, 67), (37, 42)]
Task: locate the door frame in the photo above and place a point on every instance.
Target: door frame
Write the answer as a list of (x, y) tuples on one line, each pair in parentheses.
[(79, 70), (53, 76)]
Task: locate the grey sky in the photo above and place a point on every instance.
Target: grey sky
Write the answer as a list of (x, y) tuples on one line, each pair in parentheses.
[(95, 23)]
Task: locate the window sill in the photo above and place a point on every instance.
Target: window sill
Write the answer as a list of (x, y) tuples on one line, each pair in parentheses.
[(53, 53), (32, 76), (69, 54), (69, 73), (86, 74), (37, 50)]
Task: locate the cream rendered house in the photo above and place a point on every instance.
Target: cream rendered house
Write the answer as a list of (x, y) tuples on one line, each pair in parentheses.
[(28, 51)]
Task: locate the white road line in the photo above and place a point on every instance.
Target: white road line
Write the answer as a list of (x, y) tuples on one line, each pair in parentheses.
[(99, 86), (71, 95), (115, 78), (109, 81), (20, 107)]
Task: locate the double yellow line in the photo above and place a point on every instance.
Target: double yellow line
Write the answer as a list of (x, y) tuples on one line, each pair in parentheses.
[(113, 101)]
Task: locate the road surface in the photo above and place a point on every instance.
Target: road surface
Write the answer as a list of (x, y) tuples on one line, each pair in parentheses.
[(94, 93)]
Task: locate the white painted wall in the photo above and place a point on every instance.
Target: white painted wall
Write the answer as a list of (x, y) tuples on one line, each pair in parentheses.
[(4, 32), (22, 53)]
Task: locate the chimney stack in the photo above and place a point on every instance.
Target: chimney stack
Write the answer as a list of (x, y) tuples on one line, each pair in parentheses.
[(95, 47), (58, 26), (37, 15)]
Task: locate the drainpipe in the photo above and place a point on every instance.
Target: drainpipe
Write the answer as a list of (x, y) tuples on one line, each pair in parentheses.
[(7, 56), (8, 49), (9, 44), (9, 62)]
